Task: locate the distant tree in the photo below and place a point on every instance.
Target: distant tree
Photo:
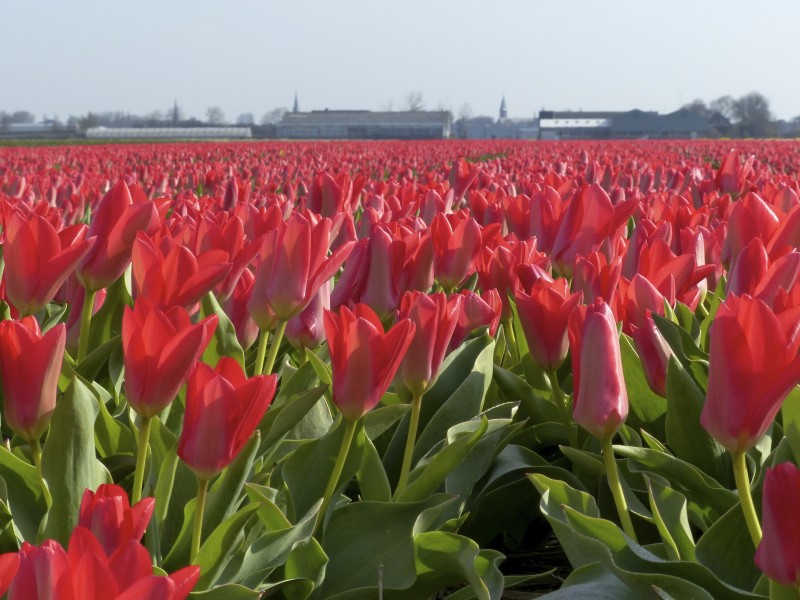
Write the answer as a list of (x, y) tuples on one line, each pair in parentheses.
[(388, 106), (464, 115), (414, 102), (274, 115), (22, 116), (154, 117), (87, 122), (722, 105), (753, 116), (215, 116), (246, 119), (698, 107)]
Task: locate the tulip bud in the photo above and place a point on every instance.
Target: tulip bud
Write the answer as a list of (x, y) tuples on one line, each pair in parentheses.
[(778, 554), (600, 396), (108, 514)]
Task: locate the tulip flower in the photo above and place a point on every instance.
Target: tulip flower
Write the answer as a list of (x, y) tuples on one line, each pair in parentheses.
[(223, 408), (30, 364), (364, 360), (115, 223), (455, 249), (544, 316), (778, 553), (754, 365), (476, 311), (435, 319), (600, 396), (107, 513), (173, 275), (293, 266), (159, 350), (306, 330), (9, 565), (48, 572), (38, 260), (236, 309)]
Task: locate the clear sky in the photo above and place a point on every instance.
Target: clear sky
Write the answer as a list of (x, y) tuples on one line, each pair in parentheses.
[(69, 57)]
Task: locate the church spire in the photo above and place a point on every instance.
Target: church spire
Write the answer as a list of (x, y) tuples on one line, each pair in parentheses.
[(503, 111), (296, 107)]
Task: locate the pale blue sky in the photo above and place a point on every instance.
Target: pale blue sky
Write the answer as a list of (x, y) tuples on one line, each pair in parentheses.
[(69, 57)]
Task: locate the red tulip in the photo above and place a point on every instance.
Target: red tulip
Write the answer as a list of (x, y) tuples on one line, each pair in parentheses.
[(306, 330), (30, 364), (476, 311), (9, 565), (236, 309), (778, 555), (364, 359), (115, 223), (435, 318), (293, 266), (110, 517), (544, 316), (754, 365), (223, 408), (38, 260), (455, 249), (600, 396), (159, 349), (172, 275), (44, 573)]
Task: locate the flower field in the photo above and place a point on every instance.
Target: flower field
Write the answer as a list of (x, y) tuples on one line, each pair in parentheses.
[(401, 370)]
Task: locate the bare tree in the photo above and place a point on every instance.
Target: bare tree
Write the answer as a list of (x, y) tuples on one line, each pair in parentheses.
[(698, 107), (722, 105), (246, 119), (215, 116), (753, 115), (388, 106), (464, 115), (414, 102), (274, 115)]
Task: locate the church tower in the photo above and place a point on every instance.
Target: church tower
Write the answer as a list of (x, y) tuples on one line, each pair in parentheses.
[(503, 111), (296, 107)]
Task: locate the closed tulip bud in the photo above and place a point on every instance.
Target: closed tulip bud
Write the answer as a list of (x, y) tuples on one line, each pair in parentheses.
[(364, 359), (223, 408), (476, 311), (159, 349), (30, 364), (236, 309), (44, 573), (9, 565), (778, 555), (107, 513), (600, 396), (754, 365), (455, 249), (435, 318), (306, 329), (654, 353)]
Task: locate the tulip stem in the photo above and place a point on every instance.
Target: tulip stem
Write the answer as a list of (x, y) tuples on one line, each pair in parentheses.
[(511, 340), (86, 319), (344, 449), (743, 486), (263, 338), (36, 451), (616, 488), (273, 349), (197, 532), (141, 459), (416, 405), (561, 401)]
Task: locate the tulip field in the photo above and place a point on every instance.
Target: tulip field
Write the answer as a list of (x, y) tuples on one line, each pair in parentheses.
[(401, 370)]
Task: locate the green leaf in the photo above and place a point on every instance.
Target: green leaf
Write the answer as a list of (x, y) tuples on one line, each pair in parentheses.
[(447, 559), (790, 419), (224, 341), (69, 463), (428, 476), (279, 420), (107, 322), (687, 438), (25, 497), (221, 545), (707, 498), (385, 538), (228, 591), (727, 549), (272, 549), (648, 410), (593, 581), (372, 481), (694, 360), (308, 468), (532, 405), (111, 437), (672, 520), (307, 561), (379, 420), (222, 500), (98, 358)]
